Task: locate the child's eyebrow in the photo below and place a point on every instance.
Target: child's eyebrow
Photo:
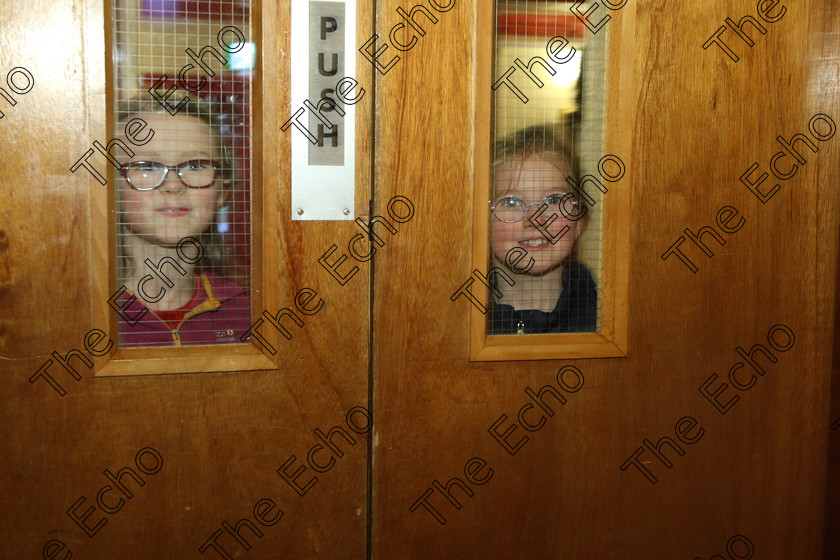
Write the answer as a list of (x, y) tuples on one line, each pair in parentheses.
[(181, 156)]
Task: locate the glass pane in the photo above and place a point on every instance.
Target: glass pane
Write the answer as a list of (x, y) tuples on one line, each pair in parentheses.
[(545, 209), (182, 85)]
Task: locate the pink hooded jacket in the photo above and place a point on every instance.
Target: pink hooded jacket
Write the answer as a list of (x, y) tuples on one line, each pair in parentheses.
[(222, 314)]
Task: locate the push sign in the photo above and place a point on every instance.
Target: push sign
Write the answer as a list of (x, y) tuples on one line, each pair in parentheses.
[(326, 58), (323, 159)]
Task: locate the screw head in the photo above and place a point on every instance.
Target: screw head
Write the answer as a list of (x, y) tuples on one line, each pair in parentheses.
[(346, 212), (300, 211)]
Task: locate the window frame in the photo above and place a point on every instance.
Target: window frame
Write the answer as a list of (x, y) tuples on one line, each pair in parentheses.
[(611, 342), (265, 288)]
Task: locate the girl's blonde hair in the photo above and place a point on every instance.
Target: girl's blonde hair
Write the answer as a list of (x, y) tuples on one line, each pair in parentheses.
[(213, 259)]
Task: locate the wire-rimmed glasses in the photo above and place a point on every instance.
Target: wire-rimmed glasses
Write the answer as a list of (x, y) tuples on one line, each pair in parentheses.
[(513, 208), (149, 175)]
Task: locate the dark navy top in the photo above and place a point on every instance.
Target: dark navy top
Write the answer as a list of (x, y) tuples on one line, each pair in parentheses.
[(575, 311)]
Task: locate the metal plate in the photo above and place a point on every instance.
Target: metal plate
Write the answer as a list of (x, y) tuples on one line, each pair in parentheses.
[(322, 127)]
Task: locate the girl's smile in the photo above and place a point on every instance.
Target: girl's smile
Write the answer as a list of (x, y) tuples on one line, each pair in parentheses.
[(536, 244), (173, 211)]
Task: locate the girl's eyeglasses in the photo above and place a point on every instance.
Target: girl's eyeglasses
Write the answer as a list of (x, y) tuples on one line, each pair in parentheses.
[(149, 175), (513, 208)]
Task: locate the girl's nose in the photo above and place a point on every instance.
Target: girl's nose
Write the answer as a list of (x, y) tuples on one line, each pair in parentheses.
[(171, 182), (531, 211)]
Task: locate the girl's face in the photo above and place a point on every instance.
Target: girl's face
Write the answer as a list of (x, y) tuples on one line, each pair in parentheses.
[(166, 215), (532, 178)]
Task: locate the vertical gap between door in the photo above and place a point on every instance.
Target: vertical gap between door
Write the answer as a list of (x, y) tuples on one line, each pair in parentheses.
[(371, 293)]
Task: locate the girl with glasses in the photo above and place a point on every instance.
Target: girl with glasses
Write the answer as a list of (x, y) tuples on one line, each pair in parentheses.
[(552, 291), (170, 255)]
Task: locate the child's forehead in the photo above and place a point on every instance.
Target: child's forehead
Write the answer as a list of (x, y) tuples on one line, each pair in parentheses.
[(534, 160), (182, 134), (173, 124), (532, 172)]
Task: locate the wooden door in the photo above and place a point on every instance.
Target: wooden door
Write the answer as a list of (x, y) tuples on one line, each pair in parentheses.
[(208, 449), (688, 122)]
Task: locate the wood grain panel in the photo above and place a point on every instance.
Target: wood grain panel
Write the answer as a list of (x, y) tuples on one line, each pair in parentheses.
[(687, 122), (221, 436)]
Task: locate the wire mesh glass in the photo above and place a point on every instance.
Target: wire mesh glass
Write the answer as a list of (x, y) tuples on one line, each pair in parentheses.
[(181, 90), (545, 251)]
